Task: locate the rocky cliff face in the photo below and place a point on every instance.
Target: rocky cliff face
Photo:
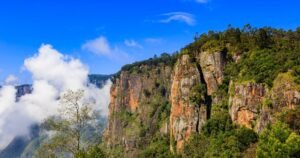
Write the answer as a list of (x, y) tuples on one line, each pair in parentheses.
[(23, 90), (285, 92), (207, 71), (186, 117), (254, 106), (137, 98), (212, 65), (139, 95), (245, 102)]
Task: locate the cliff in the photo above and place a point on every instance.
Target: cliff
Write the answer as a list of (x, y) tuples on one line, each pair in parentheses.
[(219, 89), (138, 97), (253, 105), (186, 116), (139, 107)]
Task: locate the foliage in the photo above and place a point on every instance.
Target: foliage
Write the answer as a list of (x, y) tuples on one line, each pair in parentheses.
[(296, 73), (292, 119), (213, 46), (158, 148), (69, 127), (164, 59), (218, 123), (196, 147), (264, 52), (92, 152), (197, 95), (278, 141), (219, 133)]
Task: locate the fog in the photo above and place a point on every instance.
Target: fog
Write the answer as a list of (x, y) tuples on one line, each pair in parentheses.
[(53, 74)]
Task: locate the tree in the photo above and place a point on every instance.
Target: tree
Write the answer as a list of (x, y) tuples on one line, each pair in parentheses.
[(263, 39), (278, 141), (292, 118), (93, 152), (196, 146), (69, 126), (197, 95)]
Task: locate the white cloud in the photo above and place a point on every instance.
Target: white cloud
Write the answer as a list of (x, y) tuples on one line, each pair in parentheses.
[(11, 79), (179, 16), (53, 73), (98, 46), (101, 46), (132, 43), (7, 97), (57, 69)]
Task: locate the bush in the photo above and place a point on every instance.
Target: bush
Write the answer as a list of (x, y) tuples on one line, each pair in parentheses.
[(93, 152), (198, 93), (158, 149), (219, 123), (292, 119), (196, 146), (278, 141)]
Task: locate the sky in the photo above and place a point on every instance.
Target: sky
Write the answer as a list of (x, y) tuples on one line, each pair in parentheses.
[(105, 35)]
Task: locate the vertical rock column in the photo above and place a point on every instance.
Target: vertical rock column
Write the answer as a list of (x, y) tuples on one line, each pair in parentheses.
[(185, 116)]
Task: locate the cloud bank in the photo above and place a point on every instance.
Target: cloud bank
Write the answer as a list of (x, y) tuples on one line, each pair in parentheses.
[(53, 73)]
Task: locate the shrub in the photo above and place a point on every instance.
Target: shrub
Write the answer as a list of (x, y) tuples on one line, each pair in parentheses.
[(278, 141)]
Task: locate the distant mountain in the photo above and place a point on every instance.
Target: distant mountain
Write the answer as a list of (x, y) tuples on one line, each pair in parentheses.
[(99, 80), (96, 79), (23, 89), (19, 143), (15, 148)]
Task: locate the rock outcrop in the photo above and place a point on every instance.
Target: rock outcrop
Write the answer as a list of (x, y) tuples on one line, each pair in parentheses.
[(137, 95), (135, 105), (23, 90), (141, 95), (254, 106), (212, 65), (245, 102), (285, 92), (186, 117)]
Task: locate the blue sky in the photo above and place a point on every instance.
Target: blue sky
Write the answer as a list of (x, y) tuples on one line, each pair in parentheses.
[(108, 34)]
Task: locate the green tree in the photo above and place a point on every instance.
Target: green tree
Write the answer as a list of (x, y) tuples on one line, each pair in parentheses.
[(196, 146), (278, 141), (75, 116), (198, 93), (92, 152), (292, 118)]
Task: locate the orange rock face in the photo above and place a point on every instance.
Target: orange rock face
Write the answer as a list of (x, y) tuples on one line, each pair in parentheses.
[(245, 103), (253, 105), (244, 117), (184, 117), (130, 99)]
